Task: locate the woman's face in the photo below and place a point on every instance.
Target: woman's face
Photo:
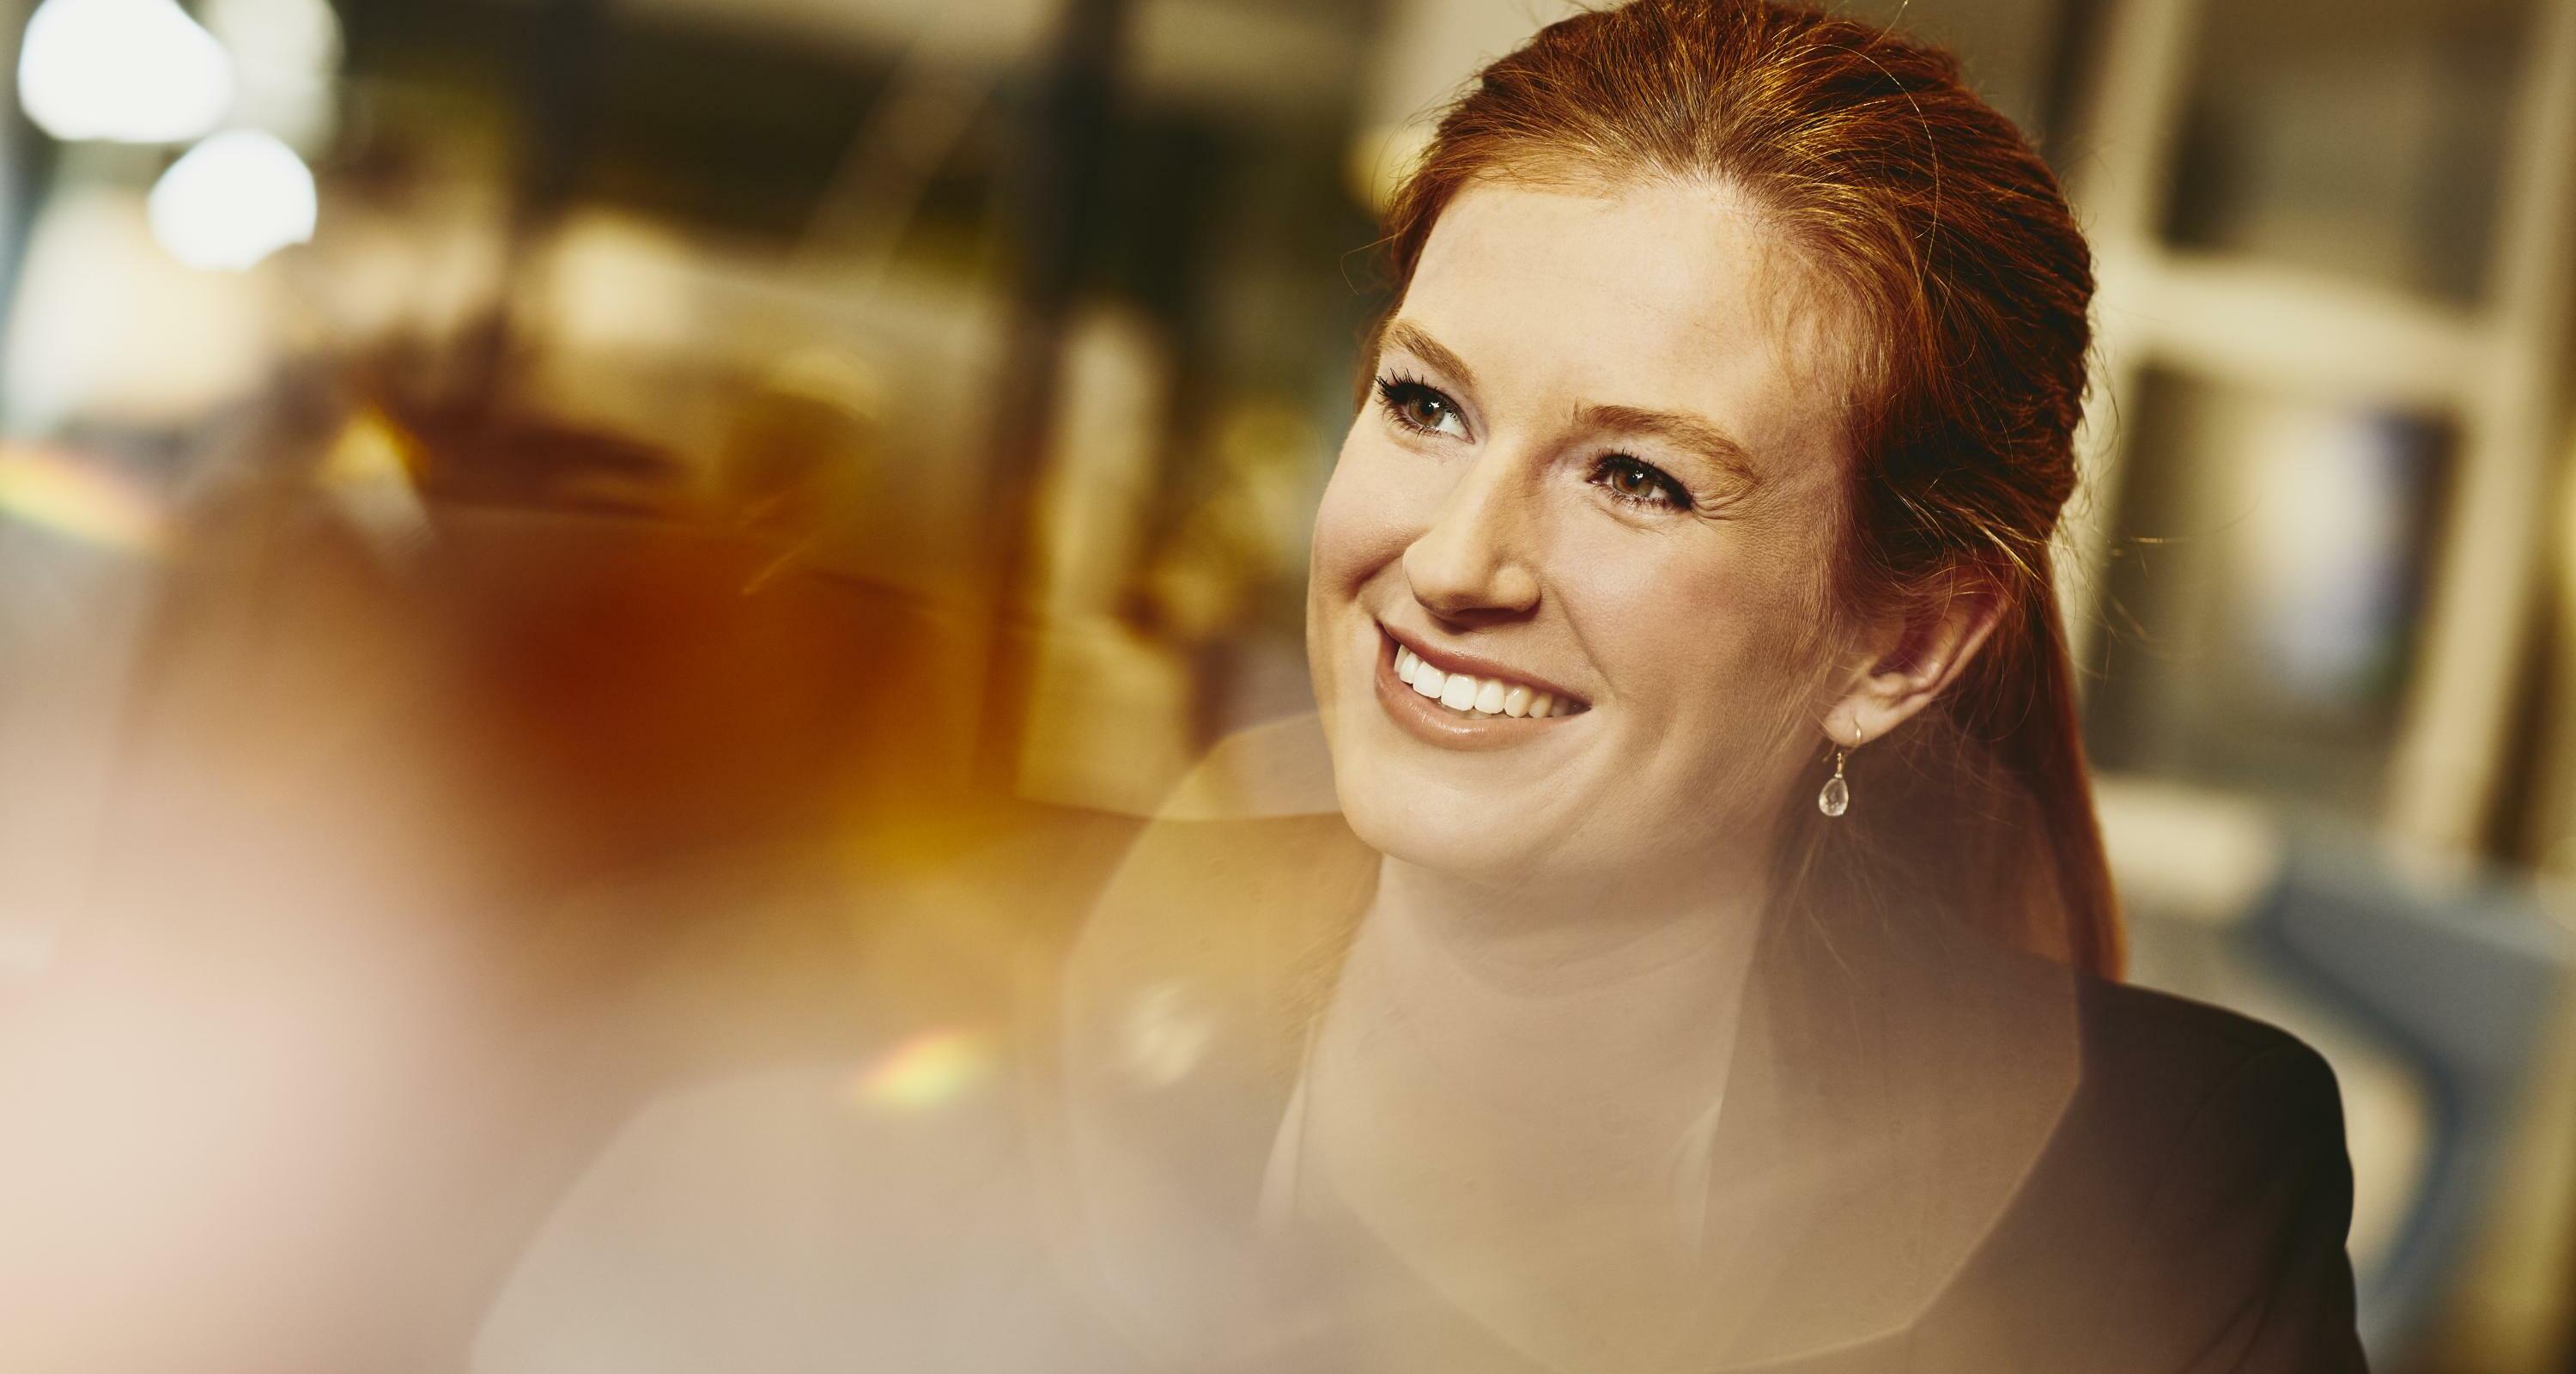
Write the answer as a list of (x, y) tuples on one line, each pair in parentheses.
[(1602, 465)]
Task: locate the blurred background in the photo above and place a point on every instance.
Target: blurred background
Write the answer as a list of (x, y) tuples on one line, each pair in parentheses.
[(611, 465)]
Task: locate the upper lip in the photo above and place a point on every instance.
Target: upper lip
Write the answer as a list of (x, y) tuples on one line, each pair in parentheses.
[(1475, 665)]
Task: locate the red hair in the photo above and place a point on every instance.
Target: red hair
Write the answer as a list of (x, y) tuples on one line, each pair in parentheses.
[(1947, 235)]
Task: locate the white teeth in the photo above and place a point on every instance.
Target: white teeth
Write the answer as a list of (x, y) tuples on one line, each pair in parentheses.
[(1469, 694)]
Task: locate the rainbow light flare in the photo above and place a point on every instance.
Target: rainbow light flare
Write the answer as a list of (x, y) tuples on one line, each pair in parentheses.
[(57, 492), (926, 1070)]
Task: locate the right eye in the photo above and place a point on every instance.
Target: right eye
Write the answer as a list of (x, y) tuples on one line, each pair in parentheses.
[(1420, 408)]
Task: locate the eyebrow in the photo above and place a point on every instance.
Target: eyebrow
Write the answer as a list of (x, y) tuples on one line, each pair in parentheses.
[(1687, 431), (1408, 336)]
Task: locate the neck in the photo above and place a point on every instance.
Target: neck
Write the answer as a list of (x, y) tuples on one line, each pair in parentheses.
[(1591, 989), (1566, 936)]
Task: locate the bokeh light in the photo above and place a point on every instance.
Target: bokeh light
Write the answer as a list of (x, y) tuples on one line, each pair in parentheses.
[(233, 200), (61, 494), (926, 1071), (123, 71)]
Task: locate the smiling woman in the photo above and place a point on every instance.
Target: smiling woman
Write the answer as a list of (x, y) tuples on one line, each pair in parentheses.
[(1725, 979)]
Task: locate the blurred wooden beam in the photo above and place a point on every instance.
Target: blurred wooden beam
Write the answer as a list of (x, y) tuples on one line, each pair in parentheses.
[(1063, 148)]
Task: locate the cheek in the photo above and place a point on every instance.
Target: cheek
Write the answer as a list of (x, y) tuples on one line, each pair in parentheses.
[(1348, 548), (1363, 524), (1715, 635)]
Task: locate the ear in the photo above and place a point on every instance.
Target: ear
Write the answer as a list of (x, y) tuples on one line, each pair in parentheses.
[(1912, 658)]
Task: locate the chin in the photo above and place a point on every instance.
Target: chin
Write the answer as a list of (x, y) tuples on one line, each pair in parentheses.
[(1425, 825)]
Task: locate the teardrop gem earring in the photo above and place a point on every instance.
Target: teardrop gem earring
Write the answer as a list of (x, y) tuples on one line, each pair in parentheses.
[(1836, 798)]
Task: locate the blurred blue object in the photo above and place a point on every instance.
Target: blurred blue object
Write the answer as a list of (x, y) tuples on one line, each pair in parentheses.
[(2460, 976)]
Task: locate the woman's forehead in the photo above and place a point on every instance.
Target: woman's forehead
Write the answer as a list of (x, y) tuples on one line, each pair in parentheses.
[(1672, 295)]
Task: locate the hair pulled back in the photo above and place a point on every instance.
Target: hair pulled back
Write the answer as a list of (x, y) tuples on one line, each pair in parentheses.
[(1951, 245)]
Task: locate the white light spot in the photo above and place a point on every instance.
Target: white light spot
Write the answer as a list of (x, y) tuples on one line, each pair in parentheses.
[(233, 200), (122, 71)]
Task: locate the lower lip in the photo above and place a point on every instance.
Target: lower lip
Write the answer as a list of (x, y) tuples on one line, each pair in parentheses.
[(1433, 723)]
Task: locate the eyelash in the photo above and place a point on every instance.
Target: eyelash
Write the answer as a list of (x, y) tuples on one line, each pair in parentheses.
[(1395, 392)]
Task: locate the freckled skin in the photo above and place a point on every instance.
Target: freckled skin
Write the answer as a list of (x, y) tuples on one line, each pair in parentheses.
[(1694, 633)]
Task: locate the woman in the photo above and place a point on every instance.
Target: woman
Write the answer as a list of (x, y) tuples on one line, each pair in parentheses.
[(1706, 963), (1717, 974)]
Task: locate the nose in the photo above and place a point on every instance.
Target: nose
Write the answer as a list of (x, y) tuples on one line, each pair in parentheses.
[(1475, 561)]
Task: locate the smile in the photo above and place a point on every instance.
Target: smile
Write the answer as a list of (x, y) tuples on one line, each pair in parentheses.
[(1469, 694), (1462, 701)]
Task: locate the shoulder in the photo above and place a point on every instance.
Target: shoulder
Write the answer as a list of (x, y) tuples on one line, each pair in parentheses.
[(2206, 1094), (2148, 1062), (2200, 1176), (2160, 1081), (2189, 1207), (2248, 1190), (2172, 1067), (2126, 1019)]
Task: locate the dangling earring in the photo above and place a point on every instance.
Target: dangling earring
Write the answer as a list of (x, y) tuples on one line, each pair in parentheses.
[(1836, 798)]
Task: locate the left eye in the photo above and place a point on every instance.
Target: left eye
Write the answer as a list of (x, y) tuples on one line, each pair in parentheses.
[(1631, 480), (1418, 407)]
